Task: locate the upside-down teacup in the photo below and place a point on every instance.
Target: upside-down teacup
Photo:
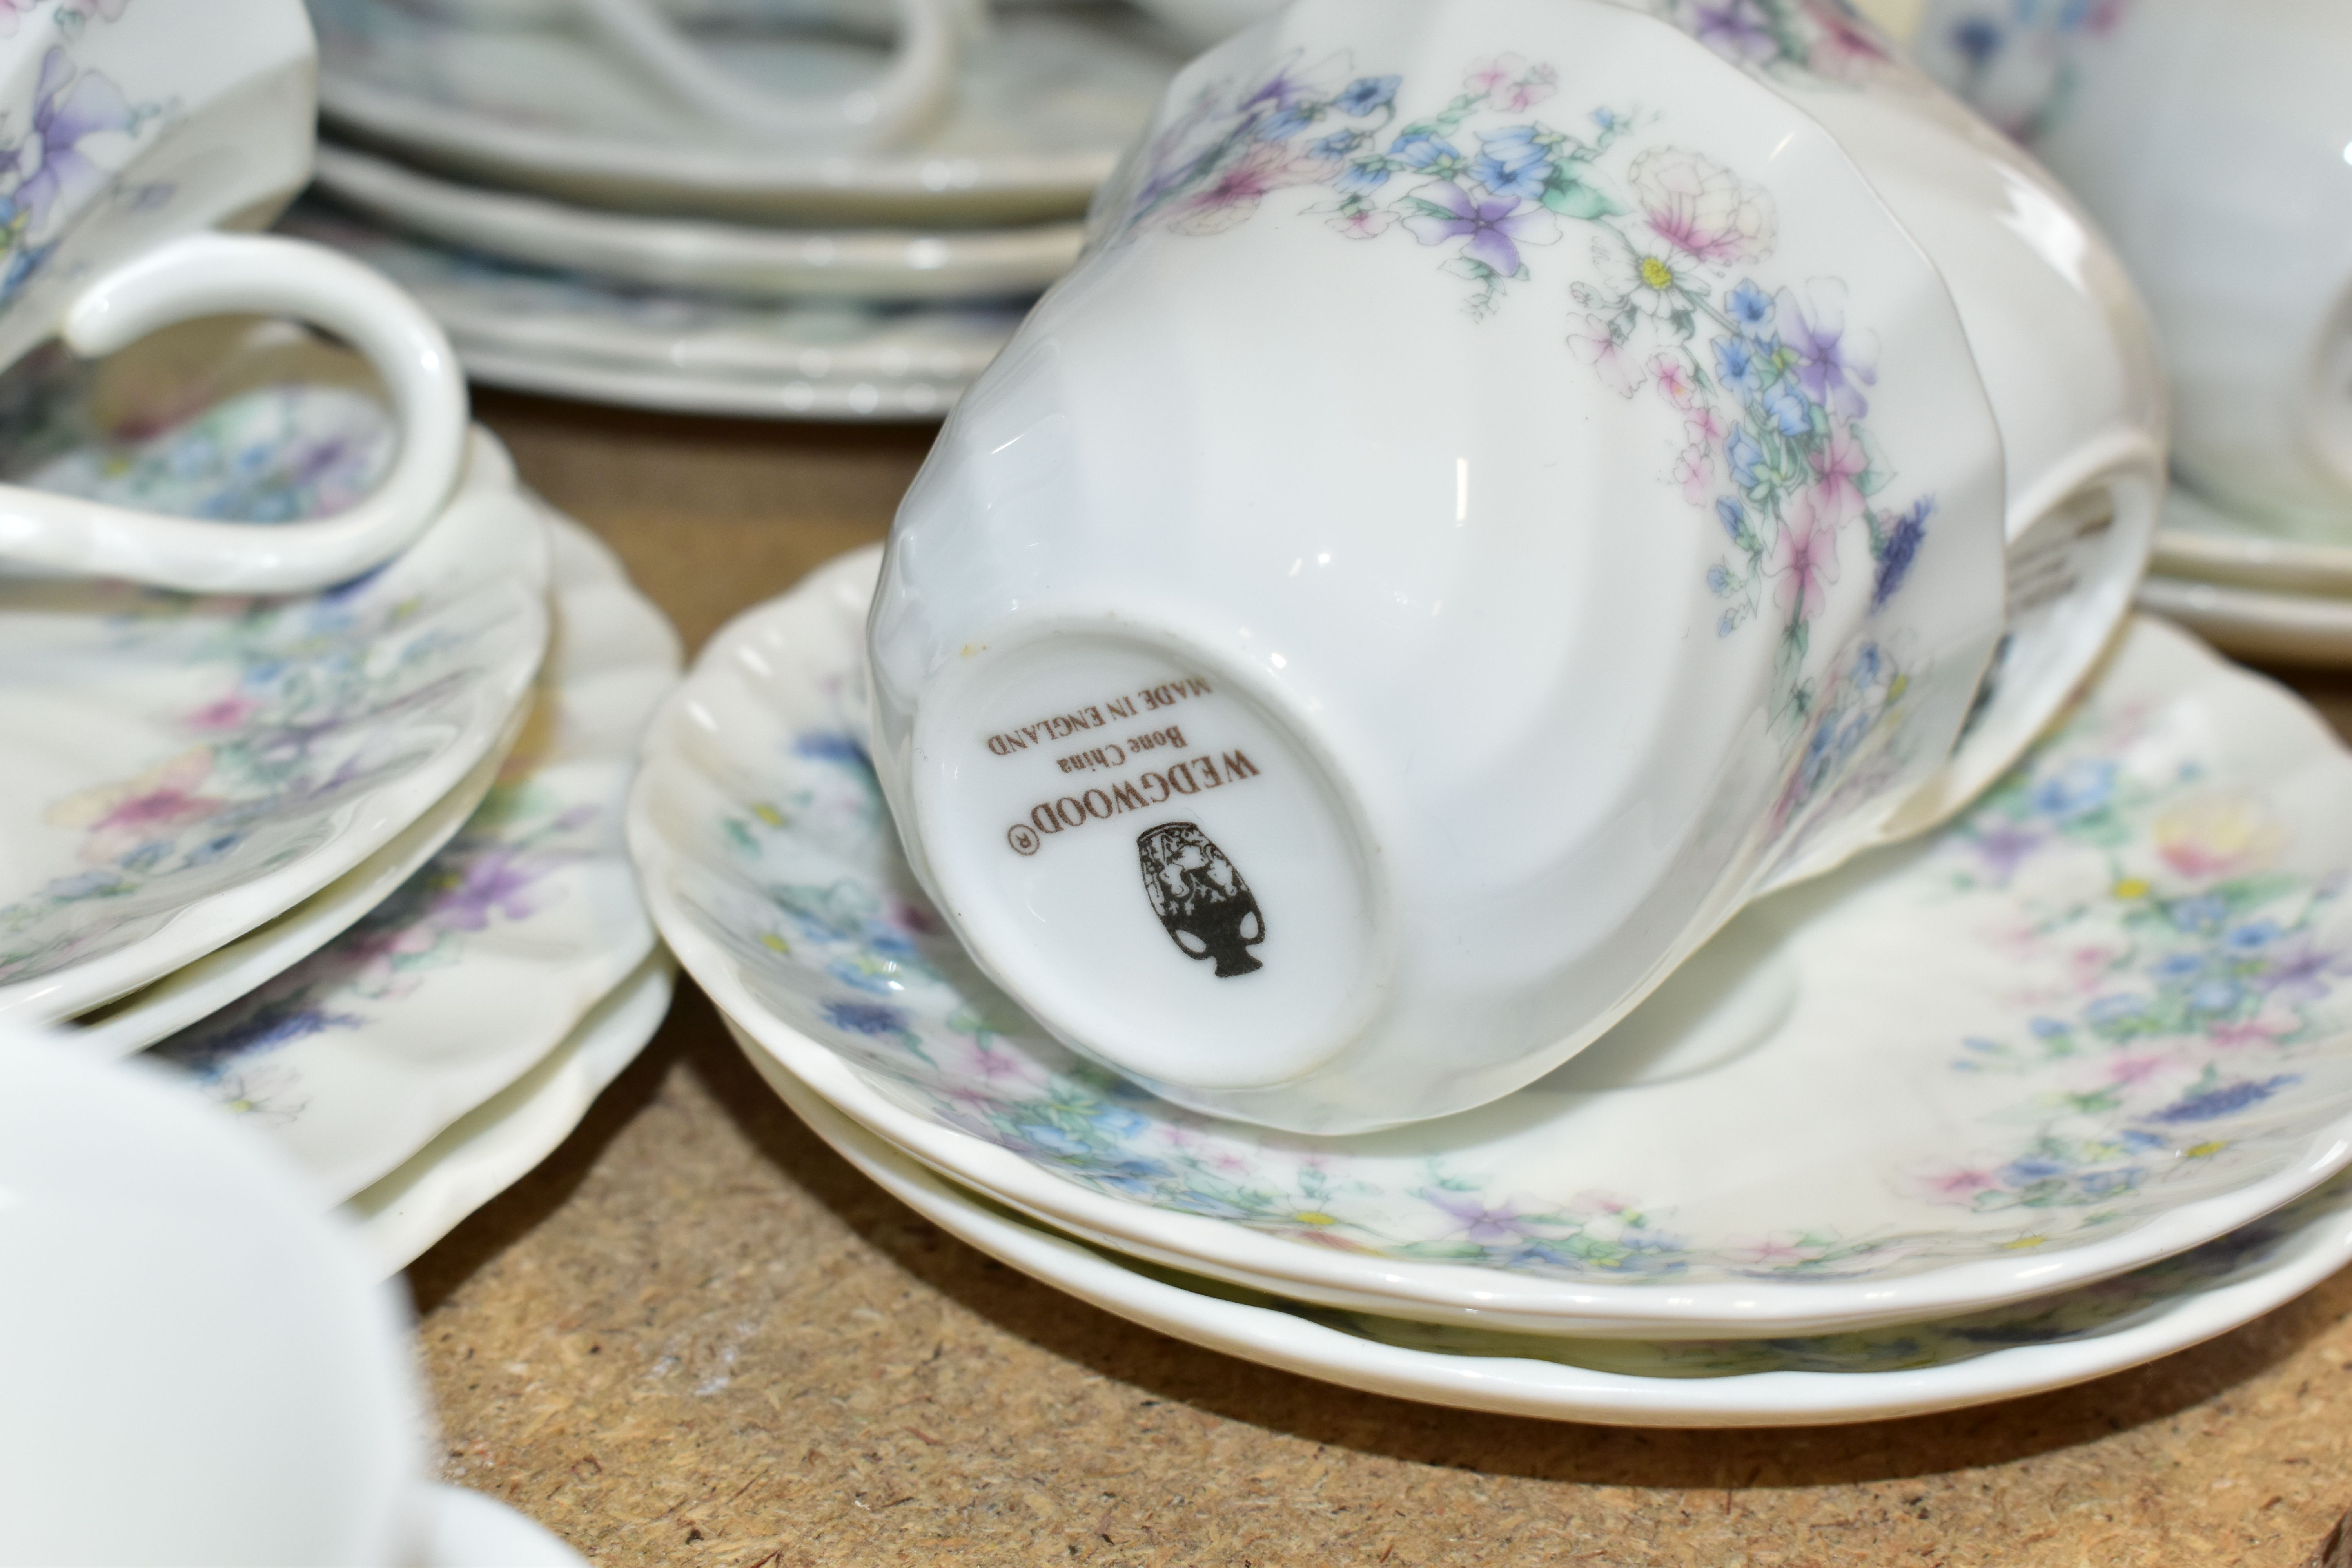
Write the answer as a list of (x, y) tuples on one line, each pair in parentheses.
[(130, 132), (1511, 481)]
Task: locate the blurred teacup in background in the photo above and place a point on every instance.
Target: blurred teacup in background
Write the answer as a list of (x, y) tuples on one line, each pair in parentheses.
[(1506, 488), (2213, 144), (907, 96), (137, 131)]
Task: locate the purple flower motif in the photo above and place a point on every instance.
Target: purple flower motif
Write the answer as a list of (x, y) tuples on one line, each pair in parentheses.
[(1493, 230), (1480, 1223), (1736, 29), (61, 119), (1901, 548), (2211, 1104), (495, 882), (1826, 368), (2303, 971), (2005, 847)]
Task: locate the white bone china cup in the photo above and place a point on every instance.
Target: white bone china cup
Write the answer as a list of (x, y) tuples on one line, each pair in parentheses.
[(1507, 485), (133, 131)]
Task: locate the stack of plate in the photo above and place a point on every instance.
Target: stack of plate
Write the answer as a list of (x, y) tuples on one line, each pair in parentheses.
[(579, 230), (2061, 1088), (2256, 591), (352, 859)]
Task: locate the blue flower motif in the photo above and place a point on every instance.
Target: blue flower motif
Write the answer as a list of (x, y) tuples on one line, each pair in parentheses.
[(2116, 1009), (1339, 144), (1751, 306), (1513, 163), (1719, 580), (1978, 39), (2076, 791), (1606, 119), (1367, 95), (866, 1018), (2202, 913), (2215, 996), (2177, 967), (2251, 937), (1732, 515), (1791, 414), (1048, 1138), (2050, 1028), (831, 748), (2029, 1169), (1735, 366), (1420, 149), (1745, 455), (1361, 179), (2226, 1100), (1289, 121)]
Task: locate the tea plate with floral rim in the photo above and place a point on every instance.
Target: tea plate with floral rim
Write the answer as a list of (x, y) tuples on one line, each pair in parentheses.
[(2099, 1019), (480, 965), (205, 985), (178, 770), (1042, 109), (500, 1141), (1906, 1368), (575, 336), (705, 258)]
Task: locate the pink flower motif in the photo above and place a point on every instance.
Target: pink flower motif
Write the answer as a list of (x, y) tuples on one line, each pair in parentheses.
[(1673, 376), (1805, 561), (1515, 84), (1235, 195), (226, 714), (1702, 208), (11, 13), (1695, 471), (156, 803), (1706, 426), (1838, 468), (1607, 357), (2134, 1069), (1768, 1250), (1846, 47), (1369, 223), (2239, 1037), (1958, 1186)]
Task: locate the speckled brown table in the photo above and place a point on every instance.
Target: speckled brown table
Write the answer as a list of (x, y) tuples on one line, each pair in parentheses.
[(696, 1335)]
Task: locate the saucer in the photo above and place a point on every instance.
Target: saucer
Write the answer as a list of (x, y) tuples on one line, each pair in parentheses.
[(1044, 106), (2099, 1019), (2201, 542), (178, 770), (497, 1144), (208, 984), (2249, 623), (572, 336), (705, 257), (1909, 1369), (477, 967)]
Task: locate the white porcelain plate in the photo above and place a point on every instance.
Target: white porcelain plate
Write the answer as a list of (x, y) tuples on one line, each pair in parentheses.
[(480, 965), (1043, 107), (704, 258), (1909, 1369), (2289, 628), (176, 770), (2201, 542), (2102, 1017), (573, 337)]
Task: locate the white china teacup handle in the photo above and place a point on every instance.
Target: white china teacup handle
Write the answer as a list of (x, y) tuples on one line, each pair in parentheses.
[(900, 102), (217, 274)]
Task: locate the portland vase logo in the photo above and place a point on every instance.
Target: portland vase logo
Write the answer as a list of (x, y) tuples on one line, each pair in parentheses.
[(1208, 910)]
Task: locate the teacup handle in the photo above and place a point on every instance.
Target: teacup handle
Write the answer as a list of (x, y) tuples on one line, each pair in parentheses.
[(221, 274), (910, 92)]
